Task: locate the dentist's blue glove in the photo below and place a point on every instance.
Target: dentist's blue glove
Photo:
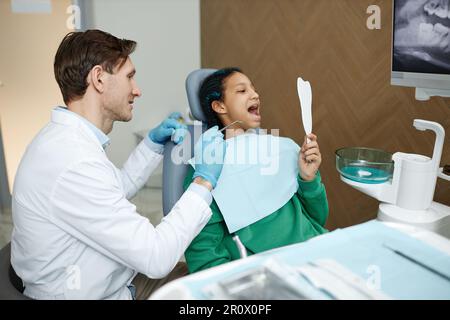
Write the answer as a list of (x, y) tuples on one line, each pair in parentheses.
[(169, 129), (209, 154)]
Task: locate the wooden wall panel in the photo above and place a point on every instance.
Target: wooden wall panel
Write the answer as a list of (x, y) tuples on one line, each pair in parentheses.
[(326, 42)]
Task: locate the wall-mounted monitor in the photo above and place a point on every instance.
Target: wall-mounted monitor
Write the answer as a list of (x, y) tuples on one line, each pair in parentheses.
[(421, 46)]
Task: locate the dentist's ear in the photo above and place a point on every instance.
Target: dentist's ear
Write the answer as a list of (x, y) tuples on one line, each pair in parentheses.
[(219, 107), (96, 77)]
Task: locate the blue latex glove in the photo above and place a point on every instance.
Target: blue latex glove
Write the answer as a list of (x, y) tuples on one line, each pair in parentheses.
[(169, 129), (209, 154)]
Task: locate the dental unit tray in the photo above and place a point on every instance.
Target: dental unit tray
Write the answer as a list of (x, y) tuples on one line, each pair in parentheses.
[(273, 280), (404, 183)]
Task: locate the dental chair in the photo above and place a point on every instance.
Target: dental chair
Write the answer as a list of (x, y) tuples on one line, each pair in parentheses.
[(173, 172), (11, 287)]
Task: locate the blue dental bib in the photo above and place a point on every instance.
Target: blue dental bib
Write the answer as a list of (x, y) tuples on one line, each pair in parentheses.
[(259, 176)]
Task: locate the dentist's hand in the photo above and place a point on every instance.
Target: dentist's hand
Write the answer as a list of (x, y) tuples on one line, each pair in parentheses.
[(168, 128), (209, 154), (309, 158)]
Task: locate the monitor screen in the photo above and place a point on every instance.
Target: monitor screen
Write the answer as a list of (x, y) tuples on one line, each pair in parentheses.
[(421, 43)]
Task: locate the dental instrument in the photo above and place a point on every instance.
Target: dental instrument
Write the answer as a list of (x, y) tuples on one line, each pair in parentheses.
[(415, 261), (226, 127), (240, 246), (404, 183)]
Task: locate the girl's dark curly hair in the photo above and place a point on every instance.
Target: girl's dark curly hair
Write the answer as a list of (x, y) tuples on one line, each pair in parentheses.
[(212, 89)]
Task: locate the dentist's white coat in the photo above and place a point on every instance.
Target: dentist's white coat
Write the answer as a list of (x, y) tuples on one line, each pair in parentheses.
[(76, 235)]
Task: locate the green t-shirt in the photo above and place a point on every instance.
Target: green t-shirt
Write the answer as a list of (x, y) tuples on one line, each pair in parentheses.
[(300, 219)]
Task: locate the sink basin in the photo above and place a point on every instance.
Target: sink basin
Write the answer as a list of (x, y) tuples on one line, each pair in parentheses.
[(365, 165)]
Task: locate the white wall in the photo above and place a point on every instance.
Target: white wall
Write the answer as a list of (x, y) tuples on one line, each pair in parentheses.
[(168, 36), (29, 92)]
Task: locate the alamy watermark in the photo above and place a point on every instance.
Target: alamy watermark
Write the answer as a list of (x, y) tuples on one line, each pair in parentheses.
[(73, 22), (374, 20), (265, 152), (73, 281), (373, 282)]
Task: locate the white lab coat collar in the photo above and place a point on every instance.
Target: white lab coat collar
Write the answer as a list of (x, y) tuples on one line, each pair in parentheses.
[(101, 136), (68, 119)]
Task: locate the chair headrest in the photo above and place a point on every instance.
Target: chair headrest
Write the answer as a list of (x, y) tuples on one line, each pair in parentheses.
[(193, 82)]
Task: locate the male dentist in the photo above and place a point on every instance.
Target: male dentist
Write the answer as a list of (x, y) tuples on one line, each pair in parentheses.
[(76, 235)]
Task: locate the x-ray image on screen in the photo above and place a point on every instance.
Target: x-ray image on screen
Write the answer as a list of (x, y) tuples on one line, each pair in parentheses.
[(421, 36)]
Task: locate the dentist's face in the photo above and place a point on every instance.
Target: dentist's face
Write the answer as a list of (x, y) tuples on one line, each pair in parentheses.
[(240, 102), (120, 91)]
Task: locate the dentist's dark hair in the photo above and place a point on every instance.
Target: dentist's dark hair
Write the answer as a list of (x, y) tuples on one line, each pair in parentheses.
[(79, 52), (212, 89)]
